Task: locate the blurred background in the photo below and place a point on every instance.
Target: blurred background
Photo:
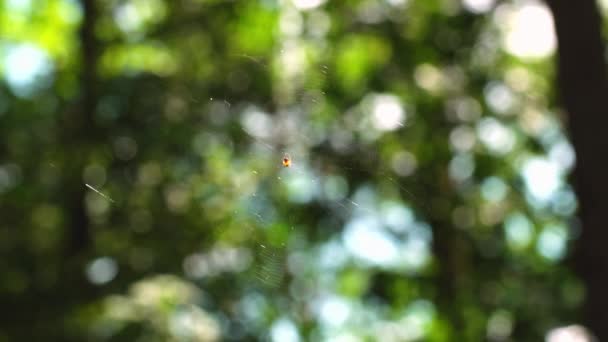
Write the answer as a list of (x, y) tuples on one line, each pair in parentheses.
[(143, 195)]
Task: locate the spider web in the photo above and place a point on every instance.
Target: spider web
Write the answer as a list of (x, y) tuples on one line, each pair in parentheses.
[(267, 138), (272, 202)]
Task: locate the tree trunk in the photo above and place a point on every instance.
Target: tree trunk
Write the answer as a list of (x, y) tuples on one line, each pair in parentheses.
[(583, 86), (80, 131)]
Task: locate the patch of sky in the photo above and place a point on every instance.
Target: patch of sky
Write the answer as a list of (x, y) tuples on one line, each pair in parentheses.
[(396, 216), (412, 326), (102, 270), (542, 178), (478, 6), (333, 311), (552, 242), (18, 6), (284, 330), (253, 306), (564, 203), (499, 97), (518, 231), (364, 200), (527, 28), (305, 5), (26, 68), (301, 185), (461, 167), (494, 189), (366, 239), (332, 255), (335, 188), (498, 138)]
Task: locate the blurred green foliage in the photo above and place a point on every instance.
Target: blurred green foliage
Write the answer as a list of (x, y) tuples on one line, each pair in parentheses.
[(412, 211)]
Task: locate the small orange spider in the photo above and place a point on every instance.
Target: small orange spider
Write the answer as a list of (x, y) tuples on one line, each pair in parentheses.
[(286, 160)]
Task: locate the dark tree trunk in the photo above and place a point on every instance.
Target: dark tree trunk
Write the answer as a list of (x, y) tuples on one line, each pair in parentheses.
[(80, 136), (89, 50), (583, 86), (80, 131)]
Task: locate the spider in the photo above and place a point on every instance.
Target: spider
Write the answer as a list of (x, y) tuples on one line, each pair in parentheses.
[(286, 160)]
